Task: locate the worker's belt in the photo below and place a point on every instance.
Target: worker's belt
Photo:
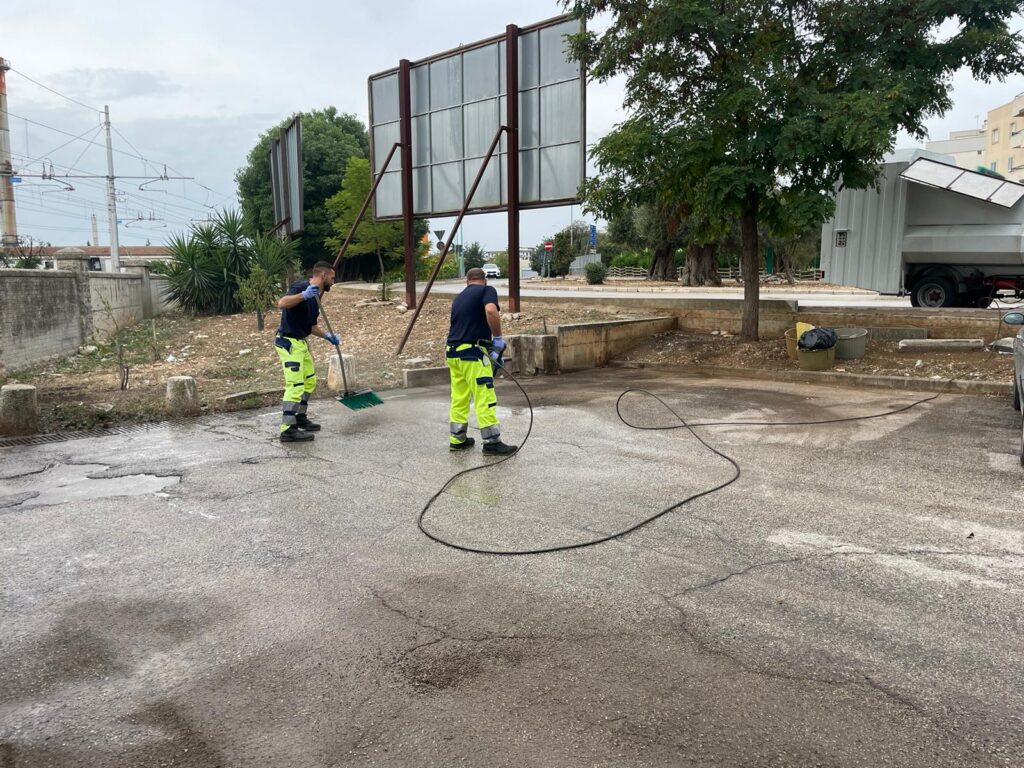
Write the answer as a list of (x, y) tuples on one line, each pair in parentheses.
[(466, 350), (285, 342)]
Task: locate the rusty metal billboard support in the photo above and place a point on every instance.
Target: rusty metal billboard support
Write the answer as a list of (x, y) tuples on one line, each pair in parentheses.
[(512, 160), (405, 138), (366, 204), (451, 235)]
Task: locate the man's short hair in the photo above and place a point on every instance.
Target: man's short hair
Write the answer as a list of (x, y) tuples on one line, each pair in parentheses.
[(322, 266), (476, 274)]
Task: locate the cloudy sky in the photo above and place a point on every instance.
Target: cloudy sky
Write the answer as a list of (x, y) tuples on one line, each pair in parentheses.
[(192, 85)]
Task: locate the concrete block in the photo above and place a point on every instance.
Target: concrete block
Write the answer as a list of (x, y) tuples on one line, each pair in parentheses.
[(182, 396), (19, 414), (1004, 345), (424, 377), (533, 354), (335, 382), (941, 345), (418, 362)]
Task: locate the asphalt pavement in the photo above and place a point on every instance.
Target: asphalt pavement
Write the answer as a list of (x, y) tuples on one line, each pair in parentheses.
[(199, 595)]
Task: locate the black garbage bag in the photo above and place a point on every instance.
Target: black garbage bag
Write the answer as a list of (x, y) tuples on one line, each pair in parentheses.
[(817, 338)]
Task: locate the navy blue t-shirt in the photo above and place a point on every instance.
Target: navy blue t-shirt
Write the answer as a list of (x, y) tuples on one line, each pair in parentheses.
[(298, 321), (469, 318)]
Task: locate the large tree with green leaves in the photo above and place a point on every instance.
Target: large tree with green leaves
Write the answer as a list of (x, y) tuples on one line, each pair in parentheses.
[(329, 141), (757, 106)]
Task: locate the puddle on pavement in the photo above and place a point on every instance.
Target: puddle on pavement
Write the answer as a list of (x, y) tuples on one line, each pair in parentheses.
[(64, 483)]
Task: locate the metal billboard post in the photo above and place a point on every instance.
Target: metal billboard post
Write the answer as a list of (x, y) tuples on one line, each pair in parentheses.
[(408, 223), (366, 204), (451, 236), (512, 160)]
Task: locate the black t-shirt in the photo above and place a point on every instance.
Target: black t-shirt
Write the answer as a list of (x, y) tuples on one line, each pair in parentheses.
[(298, 321), (469, 319)]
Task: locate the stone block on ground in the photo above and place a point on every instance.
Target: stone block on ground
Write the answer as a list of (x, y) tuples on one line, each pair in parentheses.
[(941, 345), (335, 383), (182, 396), (19, 414), (418, 362), (1003, 345), (424, 377)]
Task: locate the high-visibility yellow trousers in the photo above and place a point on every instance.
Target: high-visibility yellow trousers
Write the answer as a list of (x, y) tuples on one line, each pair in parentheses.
[(299, 377), (472, 379)]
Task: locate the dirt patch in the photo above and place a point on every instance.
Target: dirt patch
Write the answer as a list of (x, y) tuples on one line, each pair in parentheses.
[(227, 355), (881, 358)]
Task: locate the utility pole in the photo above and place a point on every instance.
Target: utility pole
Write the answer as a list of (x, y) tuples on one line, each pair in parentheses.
[(9, 237), (95, 231), (115, 255)]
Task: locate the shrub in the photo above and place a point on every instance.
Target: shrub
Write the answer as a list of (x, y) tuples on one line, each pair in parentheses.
[(596, 273)]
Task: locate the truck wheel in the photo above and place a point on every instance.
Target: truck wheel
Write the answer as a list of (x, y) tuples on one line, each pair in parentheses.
[(933, 292)]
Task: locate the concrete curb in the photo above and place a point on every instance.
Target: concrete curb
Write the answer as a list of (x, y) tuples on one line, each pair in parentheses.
[(964, 386), (424, 377)]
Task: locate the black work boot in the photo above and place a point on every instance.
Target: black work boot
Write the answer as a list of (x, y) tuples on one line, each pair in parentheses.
[(499, 448), (302, 422), (295, 435), (466, 444)]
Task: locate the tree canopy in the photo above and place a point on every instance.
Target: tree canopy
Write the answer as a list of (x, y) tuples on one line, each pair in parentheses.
[(754, 109), (329, 141)]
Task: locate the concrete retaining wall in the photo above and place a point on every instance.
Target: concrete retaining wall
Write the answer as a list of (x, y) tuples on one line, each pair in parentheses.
[(589, 345), (46, 314), (116, 301)]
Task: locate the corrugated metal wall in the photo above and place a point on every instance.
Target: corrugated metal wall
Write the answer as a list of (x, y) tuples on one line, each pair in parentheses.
[(874, 222)]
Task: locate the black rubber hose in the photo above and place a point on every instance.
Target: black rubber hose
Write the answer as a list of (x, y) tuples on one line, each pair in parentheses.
[(683, 424)]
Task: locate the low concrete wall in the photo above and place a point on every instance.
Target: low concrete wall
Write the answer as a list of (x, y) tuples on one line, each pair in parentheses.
[(589, 345), (116, 301), (44, 314), (941, 324)]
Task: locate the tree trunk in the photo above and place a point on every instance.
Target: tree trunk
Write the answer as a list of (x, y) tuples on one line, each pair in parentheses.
[(701, 266), (750, 267), (662, 267), (259, 319)]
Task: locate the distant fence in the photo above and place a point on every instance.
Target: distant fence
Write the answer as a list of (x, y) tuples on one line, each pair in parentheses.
[(728, 273)]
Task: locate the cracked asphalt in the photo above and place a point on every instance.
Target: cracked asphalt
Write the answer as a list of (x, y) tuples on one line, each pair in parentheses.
[(199, 595)]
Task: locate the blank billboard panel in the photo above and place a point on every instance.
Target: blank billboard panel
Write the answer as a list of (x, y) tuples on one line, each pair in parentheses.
[(458, 104), (286, 169)]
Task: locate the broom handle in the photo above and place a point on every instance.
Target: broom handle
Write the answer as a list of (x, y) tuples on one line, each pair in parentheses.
[(337, 347)]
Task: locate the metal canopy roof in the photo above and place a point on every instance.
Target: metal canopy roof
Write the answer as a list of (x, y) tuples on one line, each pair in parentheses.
[(980, 186)]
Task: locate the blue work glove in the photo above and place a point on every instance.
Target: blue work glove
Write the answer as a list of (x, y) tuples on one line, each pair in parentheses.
[(311, 292), (498, 343), (495, 356), (331, 338)]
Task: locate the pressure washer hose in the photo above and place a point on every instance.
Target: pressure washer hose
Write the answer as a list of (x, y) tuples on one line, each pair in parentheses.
[(683, 424)]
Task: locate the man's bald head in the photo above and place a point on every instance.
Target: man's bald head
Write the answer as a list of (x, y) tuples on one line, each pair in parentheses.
[(476, 275)]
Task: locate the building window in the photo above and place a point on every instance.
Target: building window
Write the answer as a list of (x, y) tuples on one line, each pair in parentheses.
[(1009, 163), (841, 238), (995, 136), (994, 166)]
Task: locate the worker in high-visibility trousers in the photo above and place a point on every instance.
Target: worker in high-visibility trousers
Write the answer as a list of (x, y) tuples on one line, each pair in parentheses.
[(474, 346), (299, 315)]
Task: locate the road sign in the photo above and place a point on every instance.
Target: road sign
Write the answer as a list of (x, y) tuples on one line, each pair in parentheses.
[(439, 233), (549, 246), (593, 235), (440, 245), (15, 179)]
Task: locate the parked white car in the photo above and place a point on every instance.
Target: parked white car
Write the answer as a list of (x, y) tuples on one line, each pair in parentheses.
[(1017, 318), (492, 271)]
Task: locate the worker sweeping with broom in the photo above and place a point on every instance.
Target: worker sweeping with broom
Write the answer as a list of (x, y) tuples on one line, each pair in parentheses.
[(474, 346), (300, 311)]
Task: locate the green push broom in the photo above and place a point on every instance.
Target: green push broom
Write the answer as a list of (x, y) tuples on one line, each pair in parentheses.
[(356, 399)]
